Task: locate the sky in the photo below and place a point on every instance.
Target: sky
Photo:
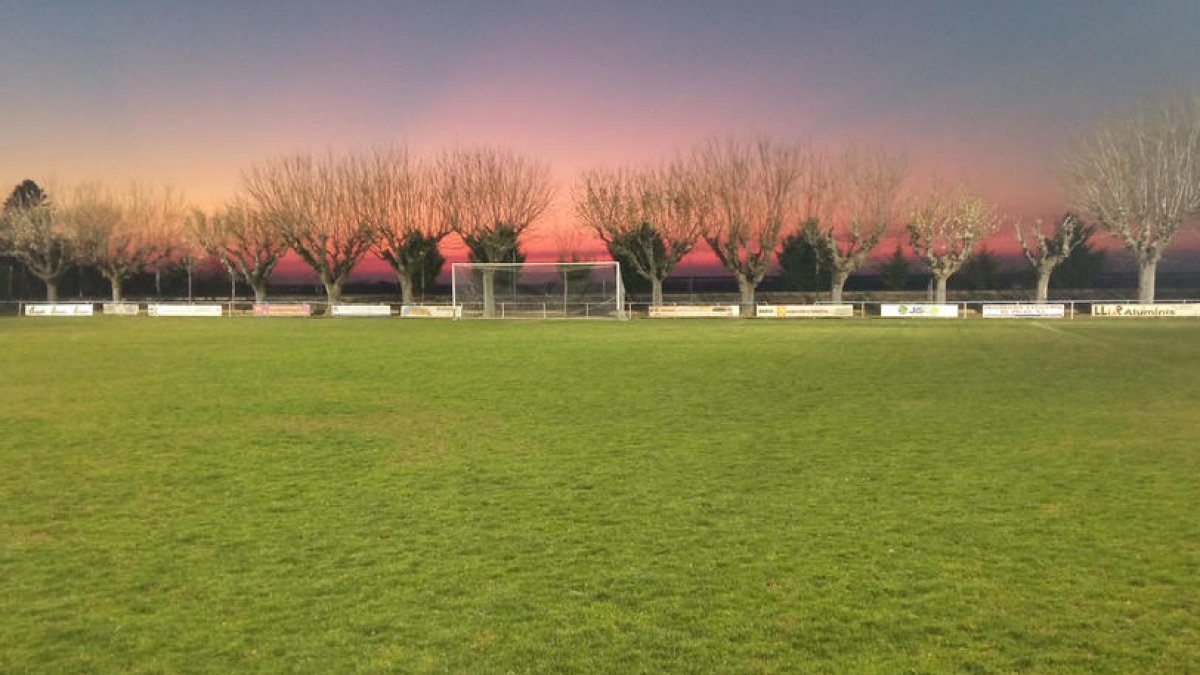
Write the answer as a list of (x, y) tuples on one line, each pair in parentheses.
[(191, 94)]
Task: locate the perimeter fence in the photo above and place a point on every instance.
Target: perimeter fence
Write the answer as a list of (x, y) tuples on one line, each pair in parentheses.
[(857, 309)]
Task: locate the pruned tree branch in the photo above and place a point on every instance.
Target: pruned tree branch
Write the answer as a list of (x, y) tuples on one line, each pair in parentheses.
[(944, 226), (852, 203), (649, 218), (246, 243), (323, 209), (1139, 178), (125, 234), (1045, 251), (752, 190), (406, 206)]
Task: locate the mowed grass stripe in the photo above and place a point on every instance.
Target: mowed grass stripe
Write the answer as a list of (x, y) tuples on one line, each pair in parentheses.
[(208, 496)]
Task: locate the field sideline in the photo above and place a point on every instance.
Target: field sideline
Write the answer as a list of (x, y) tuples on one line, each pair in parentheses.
[(191, 495)]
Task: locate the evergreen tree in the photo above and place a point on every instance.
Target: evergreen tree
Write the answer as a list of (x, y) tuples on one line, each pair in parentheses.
[(26, 194), (622, 248), (894, 272), (800, 264), (501, 245), (1080, 269), (981, 271), (432, 261)]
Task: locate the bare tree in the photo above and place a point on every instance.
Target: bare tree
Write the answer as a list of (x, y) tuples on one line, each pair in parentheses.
[(569, 245), (943, 228), (95, 217), (187, 257), (158, 215), (126, 234), (246, 243), (852, 209), (322, 208), (1139, 178), (1045, 251), (752, 191), (36, 235), (408, 211), (491, 198), (649, 219)]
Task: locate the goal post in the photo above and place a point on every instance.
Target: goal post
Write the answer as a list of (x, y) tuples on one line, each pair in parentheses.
[(566, 290)]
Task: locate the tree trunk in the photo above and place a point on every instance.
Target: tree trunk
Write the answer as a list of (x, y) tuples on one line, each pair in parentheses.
[(189, 275), (838, 283), (1043, 285), (260, 292), (1146, 272), (157, 282), (333, 292), (940, 294), (746, 289), (488, 277), (406, 286), (116, 287), (51, 290), (656, 292)]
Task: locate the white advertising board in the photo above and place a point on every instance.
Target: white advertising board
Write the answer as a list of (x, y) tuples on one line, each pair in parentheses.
[(362, 310), (1053, 311), (693, 311), (282, 309), (431, 311), (1134, 311), (805, 311), (122, 308), (170, 309), (918, 311), (60, 309)]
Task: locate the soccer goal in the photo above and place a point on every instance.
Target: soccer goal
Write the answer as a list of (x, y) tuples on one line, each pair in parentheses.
[(568, 290)]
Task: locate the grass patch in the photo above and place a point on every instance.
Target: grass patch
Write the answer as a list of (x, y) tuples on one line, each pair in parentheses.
[(866, 496)]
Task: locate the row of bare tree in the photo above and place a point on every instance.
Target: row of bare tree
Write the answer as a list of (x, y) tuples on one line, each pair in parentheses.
[(118, 233), (743, 199), (331, 210), (334, 210), (1138, 178)]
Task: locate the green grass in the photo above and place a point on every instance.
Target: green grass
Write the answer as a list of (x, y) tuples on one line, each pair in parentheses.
[(871, 496)]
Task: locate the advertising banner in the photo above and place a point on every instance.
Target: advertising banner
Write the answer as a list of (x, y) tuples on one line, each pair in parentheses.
[(283, 309), (169, 309), (1054, 311), (1157, 310), (693, 311), (362, 310), (122, 309), (60, 309), (919, 311), (431, 311), (805, 311)]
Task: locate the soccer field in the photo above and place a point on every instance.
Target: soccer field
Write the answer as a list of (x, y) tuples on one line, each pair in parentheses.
[(192, 495)]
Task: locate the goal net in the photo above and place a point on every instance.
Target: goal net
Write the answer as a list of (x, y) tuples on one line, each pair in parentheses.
[(574, 290)]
